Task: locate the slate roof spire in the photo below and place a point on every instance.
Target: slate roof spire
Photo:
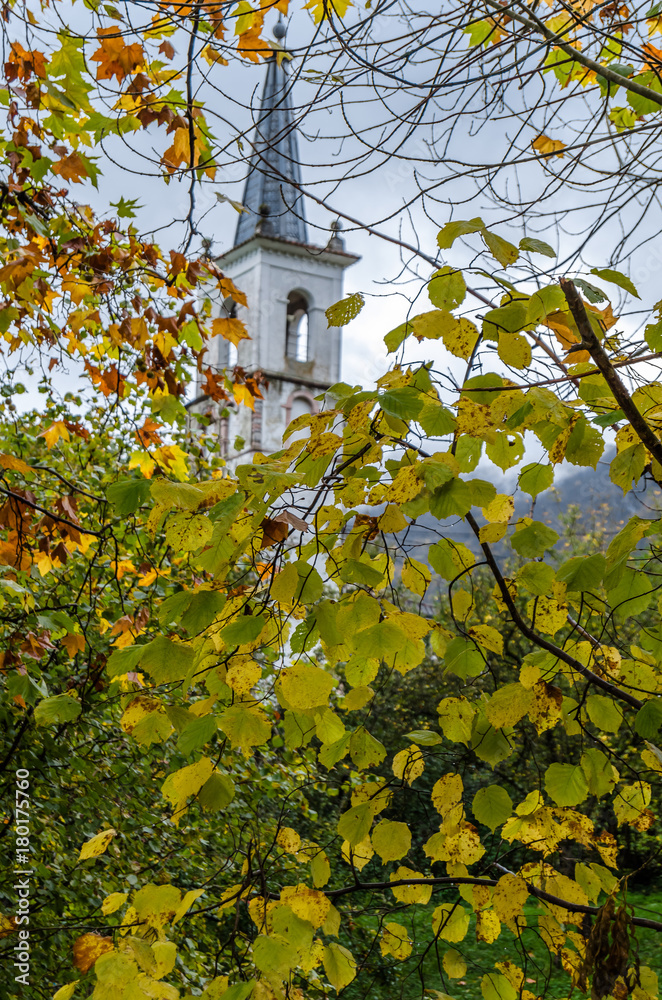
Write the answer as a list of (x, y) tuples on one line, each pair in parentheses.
[(273, 202)]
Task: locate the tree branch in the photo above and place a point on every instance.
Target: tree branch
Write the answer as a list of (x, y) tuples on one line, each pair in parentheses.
[(591, 344)]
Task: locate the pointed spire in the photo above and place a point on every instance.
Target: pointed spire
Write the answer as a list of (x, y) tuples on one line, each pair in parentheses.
[(273, 202)]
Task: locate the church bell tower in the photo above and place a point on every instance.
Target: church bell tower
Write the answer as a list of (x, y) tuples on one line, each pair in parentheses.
[(288, 281)]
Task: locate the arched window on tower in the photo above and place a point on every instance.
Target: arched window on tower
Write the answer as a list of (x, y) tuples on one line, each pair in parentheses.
[(296, 341), (229, 311)]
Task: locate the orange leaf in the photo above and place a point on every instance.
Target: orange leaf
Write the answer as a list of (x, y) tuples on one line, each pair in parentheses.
[(89, 947), (73, 643), (548, 147), (14, 463), (230, 329), (72, 168), (115, 58)]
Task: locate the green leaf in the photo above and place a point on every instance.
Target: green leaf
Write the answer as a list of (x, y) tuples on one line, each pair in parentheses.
[(196, 734), (365, 750), (501, 249), (452, 499), (436, 420), (649, 719), (247, 727), (506, 450), (126, 495), (536, 246), (446, 288), (391, 840), (534, 539), (217, 792), (616, 278), (463, 658), (53, 711), (598, 771), (581, 573), (242, 630), (193, 610), (405, 403), (123, 661), (395, 337), (604, 713), (592, 292), (354, 824), (628, 466), (424, 737), (166, 660), (492, 806), (453, 230), (344, 311), (535, 478), (566, 784), (631, 595), (536, 577), (339, 965)]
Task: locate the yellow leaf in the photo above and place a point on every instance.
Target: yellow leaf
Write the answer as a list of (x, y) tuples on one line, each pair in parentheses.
[(96, 845), (395, 941), (416, 576), (454, 965), (288, 839), (359, 855), (514, 349), (508, 705), (305, 686), (488, 926), (339, 963), (113, 902), (187, 901), (53, 433), (323, 9), (66, 992), (16, 465), (501, 508), (242, 394), (230, 329), (391, 840), (451, 922), (409, 764), (447, 793), (243, 675), (307, 904), (187, 781), (546, 146), (488, 637), (392, 520), (409, 894), (510, 894), (492, 533)]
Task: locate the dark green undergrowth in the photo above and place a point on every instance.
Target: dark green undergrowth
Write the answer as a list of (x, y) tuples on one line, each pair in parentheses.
[(423, 973)]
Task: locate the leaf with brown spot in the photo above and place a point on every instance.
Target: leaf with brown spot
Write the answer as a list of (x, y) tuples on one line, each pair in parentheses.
[(88, 948)]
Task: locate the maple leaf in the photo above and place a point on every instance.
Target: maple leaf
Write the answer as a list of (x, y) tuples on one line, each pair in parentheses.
[(71, 168), (548, 147), (73, 643), (242, 394), (115, 57), (58, 429), (148, 433), (230, 329)]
